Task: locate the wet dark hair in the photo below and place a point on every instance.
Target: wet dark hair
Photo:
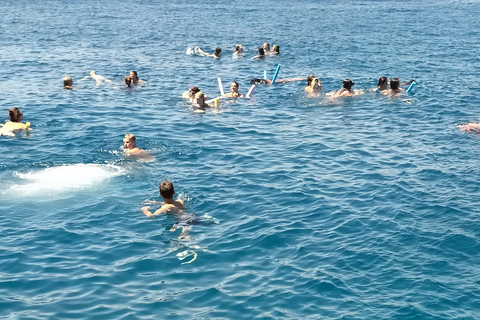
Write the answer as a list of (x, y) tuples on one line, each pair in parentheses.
[(194, 89), (347, 84), (218, 50), (258, 81), (394, 83), (261, 51), (15, 114), (237, 47), (135, 79), (166, 189), (382, 81), (309, 79)]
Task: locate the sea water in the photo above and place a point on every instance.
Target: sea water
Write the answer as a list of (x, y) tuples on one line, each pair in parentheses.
[(306, 207)]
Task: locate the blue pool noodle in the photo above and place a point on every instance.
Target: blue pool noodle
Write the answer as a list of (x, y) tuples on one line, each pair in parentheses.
[(276, 74), (411, 86), (264, 74)]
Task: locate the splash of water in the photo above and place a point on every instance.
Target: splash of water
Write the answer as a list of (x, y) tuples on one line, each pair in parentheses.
[(64, 178)]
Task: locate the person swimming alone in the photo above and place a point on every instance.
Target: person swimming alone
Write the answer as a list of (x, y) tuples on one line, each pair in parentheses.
[(238, 50), (98, 78), (67, 83), (15, 124), (130, 146)]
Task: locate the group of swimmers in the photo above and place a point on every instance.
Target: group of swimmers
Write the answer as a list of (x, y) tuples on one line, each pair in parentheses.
[(263, 51)]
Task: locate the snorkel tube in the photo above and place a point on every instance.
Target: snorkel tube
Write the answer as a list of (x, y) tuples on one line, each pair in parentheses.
[(276, 74), (411, 86)]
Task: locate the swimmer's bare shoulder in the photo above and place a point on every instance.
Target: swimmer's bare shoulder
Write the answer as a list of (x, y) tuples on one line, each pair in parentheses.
[(176, 205)]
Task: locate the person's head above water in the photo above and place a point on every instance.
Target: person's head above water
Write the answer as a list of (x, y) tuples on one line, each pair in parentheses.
[(276, 48), (234, 87), (394, 84), (128, 81), (129, 141), (347, 84), (261, 51), (192, 91), (166, 189), (15, 115), (266, 47), (238, 48), (67, 82), (382, 83), (134, 76), (200, 98), (92, 73), (218, 51)]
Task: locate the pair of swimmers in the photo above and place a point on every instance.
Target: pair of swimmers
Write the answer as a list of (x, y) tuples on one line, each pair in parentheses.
[(15, 123), (197, 97), (265, 51), (390, 89), (132, 78)]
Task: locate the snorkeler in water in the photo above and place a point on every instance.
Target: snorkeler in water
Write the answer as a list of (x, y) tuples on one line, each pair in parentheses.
[(269, 82), (275, 49), (15, 124), (313, 84)]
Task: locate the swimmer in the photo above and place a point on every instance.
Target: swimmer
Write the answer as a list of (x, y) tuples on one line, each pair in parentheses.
[(269, 82), (260, 55), (266, 48), (275, 49), (238, 50), (14, 124), (394, 88), (190, 94), (382, 84), (128, 81), (67, 83), (166, 192), (134, 76), (216, 55), (469, 127), (346, 90), (130, 146), (233, 91), (199, 101), (313, 84), (98, 78)]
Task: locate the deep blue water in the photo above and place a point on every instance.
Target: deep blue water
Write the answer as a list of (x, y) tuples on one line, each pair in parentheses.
[(361, 208)]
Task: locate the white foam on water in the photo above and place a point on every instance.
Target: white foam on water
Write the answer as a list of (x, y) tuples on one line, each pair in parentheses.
[(63, 178)]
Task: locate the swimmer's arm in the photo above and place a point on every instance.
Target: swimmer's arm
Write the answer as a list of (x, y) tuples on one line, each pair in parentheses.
[(289, 80), (149, 214), (85, 78)]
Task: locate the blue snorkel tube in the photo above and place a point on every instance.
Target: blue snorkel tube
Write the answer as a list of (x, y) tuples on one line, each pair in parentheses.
[(411, 86), (276, 74)]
